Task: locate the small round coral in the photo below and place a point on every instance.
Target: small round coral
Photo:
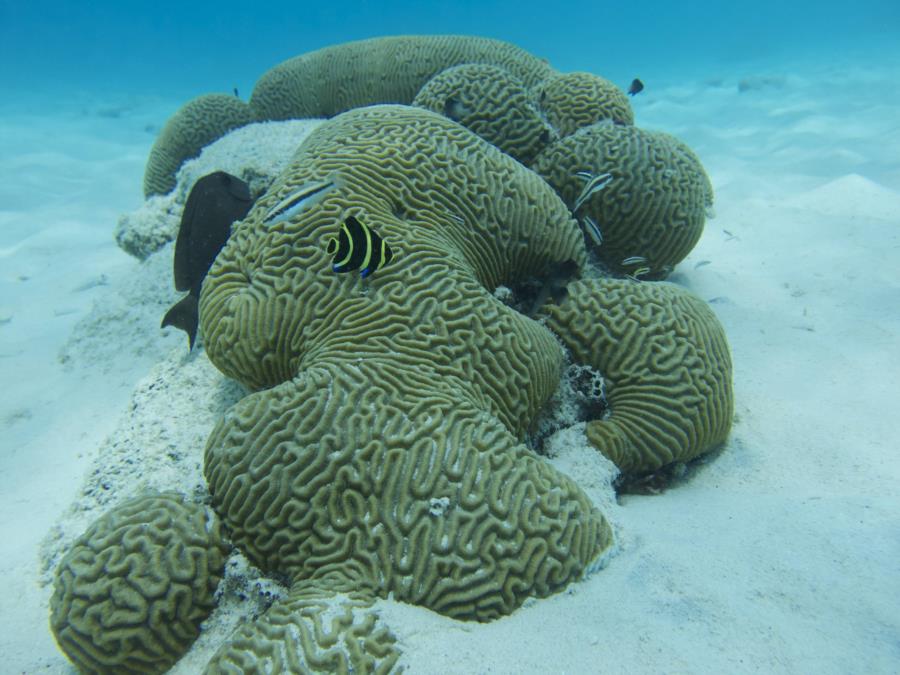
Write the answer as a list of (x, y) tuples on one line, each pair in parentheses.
[(666, 363), (131, 593), (575, 100), (196, 124), (652, 211), (492, 103)]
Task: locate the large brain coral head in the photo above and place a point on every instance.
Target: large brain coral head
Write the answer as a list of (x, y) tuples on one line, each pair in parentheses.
[(385, 442)]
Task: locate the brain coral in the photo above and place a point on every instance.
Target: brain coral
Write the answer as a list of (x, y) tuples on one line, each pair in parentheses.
[(132, 592), (386, 446), (492, 103), (655, 205), (329, 81), (196, 124), (311, 631), (381, 451), (574, 100), (392, 69), (666, 363)]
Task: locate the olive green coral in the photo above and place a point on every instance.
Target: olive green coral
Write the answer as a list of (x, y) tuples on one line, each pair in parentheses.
[(311, 631), (666, 363), (386, 443), (326, 82), (391, 69), (196, 124), (131, 593), (575, 100), (652, 212), (491, 102)]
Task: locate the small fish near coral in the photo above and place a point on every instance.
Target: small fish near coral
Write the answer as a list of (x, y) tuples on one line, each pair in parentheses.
[(298, 201), (636, 87), (593, 184), (214, 203), (358, 247)]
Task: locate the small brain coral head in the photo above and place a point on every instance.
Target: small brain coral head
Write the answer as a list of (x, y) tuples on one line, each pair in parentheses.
[(311, 631), (666, 363), (131, 593), (652, 209), (492, 103), (571, 101)]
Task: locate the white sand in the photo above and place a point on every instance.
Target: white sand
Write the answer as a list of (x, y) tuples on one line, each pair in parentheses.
[(781, 555)]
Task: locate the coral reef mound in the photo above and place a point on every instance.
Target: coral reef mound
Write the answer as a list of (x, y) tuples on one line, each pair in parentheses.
[(401, 301), (384, 449)]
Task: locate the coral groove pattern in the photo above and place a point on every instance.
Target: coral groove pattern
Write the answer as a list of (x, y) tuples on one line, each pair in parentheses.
[(382, 450), (132, 592), (385, 443), (666, 362)]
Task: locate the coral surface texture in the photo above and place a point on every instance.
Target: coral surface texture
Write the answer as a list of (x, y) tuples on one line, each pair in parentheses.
[(402, 302)]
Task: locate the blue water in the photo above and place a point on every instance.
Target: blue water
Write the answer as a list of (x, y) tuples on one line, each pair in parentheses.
[(185, 48)]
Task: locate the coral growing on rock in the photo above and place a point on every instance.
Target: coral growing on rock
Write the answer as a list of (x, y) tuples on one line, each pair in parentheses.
[(382, 450)]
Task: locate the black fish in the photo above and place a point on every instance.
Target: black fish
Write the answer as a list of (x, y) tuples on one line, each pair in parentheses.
[(554, 284), (357, 247), (215, 202), (636, 87)]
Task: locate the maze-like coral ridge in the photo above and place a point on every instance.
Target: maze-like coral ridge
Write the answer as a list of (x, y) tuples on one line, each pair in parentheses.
[(492, 103), (131, 593), (654, 206), (388, 441), (310, 631), (196, 124), (666, 363)]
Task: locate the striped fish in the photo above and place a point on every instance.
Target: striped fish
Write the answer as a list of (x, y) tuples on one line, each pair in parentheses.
[(357, 247), (593, 184), (302, 198), (590, 226)]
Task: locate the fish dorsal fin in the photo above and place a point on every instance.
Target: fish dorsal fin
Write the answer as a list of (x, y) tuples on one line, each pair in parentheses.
[(185, 316)]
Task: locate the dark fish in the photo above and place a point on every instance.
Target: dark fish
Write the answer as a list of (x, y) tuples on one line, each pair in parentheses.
[(636, 87), (215, 202), (357, 247), (236, 95), (554, 285)]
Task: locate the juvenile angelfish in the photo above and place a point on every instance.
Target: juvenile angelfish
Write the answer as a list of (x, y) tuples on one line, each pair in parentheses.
[(358, 247), (298, 200)]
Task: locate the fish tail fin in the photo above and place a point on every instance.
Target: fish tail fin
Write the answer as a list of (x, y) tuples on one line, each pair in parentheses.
[(184, 315)]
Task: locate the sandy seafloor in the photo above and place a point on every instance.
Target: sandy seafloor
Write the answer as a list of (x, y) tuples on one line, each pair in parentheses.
[(779, 555)]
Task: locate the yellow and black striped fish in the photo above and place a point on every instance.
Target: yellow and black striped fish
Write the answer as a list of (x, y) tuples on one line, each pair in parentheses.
[(357, 247)]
